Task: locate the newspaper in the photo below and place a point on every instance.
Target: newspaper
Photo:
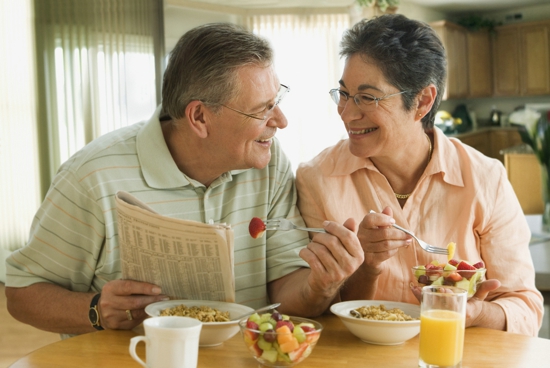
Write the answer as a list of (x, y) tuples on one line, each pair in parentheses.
[(187, 259)]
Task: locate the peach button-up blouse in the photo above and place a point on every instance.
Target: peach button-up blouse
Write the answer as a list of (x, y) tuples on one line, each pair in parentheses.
[(463, 197)]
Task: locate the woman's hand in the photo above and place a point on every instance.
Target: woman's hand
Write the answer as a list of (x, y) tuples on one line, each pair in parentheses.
[(379, 239), (479, 312)]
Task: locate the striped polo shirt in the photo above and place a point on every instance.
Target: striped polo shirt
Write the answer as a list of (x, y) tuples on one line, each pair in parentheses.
[(74, 237)]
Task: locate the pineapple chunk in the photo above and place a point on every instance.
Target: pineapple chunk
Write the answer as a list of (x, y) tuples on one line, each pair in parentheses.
[(451, 249)]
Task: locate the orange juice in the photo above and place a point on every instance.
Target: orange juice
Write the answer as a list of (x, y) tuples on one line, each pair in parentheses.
[(441, 337)]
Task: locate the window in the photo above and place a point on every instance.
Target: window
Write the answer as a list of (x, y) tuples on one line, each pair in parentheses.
[(307, 60)]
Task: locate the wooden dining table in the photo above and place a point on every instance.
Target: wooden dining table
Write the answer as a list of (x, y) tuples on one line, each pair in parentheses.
[(337, 347)]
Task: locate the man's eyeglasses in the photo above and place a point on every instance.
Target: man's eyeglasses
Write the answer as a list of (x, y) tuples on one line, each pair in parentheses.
[(365, 101), (283, 90)]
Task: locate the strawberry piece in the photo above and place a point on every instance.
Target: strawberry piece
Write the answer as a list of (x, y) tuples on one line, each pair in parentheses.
[(307, 328), (479, 265), (252, 325), (256, 350), (297, 354), (256, 228), (465, 266), (433, 270), (251, 336), (453, 262)]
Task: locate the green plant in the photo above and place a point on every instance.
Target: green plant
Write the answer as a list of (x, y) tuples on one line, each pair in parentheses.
[(382, 4), (475, 22)]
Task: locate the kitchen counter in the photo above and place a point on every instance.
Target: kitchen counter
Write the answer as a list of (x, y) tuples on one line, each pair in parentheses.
[(520, 149), (490, 140), (482, 129)]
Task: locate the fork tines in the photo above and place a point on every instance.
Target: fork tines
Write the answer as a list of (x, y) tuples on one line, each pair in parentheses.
[(437, 250), (272, 224)]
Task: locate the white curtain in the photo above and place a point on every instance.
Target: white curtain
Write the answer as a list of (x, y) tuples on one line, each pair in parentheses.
[(97, 58), (71, 70), (19, 184), (307, 60)]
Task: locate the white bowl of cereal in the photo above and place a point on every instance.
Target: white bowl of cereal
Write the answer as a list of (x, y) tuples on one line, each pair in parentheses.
[(217, 326), (395, 322)]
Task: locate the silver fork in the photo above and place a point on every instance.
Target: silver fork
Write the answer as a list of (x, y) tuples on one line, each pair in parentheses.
[(427, 247), (284, 224)]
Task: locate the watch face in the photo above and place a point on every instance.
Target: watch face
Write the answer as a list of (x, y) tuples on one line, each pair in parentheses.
[(92, 315)]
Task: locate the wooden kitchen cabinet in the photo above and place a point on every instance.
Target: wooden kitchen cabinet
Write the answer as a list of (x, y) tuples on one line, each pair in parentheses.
[(524, 174), (521, 59), (506, 61), (501, 139), (454, 39), (491, 141), (534, 60), (480, 67), (478, 140)]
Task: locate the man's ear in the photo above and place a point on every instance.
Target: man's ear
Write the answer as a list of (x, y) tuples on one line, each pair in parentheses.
[(426, 99), (197, 118)]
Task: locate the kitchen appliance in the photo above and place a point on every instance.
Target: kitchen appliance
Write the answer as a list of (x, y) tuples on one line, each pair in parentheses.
[(445, 121), (495, 116)]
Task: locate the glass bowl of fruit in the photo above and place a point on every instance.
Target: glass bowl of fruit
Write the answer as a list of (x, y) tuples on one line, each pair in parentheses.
[(459, 273), (277, 340)]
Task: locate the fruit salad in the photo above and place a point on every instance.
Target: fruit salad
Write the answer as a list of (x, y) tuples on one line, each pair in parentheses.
[(256, 228), (459, 273), (274, 340)]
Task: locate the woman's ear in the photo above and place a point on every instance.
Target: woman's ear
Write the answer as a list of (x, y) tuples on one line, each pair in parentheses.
[(197, 118), (426, 99)]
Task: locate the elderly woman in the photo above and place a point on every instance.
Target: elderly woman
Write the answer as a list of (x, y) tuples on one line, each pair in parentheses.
[(396, 163)]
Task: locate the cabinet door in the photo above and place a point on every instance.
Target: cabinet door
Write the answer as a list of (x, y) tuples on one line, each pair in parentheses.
[(479, 141), (501, 139), (506, 62), (454, 40), (480, 69), (534, 62)]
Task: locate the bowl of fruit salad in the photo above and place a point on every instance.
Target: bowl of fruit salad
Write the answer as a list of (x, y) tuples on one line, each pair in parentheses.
[(379, 322), (277, 340), (460, 273)]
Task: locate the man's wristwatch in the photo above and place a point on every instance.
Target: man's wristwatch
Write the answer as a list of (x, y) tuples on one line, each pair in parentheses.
[(93, 313)]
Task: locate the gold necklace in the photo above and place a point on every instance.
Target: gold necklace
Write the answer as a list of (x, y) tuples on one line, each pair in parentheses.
[(406, 196)]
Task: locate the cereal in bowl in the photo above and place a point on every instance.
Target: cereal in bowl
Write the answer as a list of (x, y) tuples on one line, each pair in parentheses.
[(380, 313), (202, 313)]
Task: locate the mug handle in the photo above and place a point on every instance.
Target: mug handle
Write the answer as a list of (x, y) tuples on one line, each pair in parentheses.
[(133, 342)]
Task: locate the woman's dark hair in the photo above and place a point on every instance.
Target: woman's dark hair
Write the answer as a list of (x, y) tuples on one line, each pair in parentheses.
[(408, 52)]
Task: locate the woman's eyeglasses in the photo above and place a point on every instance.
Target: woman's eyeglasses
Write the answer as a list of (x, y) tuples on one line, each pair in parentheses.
[(365, 101)]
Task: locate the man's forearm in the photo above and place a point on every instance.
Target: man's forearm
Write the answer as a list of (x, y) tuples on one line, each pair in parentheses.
[(50, 307), (297, 298)]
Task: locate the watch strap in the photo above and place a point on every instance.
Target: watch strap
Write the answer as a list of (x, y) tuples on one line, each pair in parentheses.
[(93, 313)]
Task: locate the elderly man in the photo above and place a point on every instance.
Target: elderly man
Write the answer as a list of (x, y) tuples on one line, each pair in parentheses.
[(208, 153)]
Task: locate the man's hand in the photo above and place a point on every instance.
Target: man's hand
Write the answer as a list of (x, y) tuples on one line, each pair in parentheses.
[(380, 241), (333, 257), (117, 296)]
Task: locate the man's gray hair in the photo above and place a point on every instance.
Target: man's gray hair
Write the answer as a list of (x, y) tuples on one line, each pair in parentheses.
[(203, 65)]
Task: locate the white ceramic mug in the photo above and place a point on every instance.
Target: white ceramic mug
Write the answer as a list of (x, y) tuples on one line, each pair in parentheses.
[(170, 342)]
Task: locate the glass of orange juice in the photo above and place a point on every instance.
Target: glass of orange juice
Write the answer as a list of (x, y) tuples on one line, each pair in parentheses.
[(442, 324)]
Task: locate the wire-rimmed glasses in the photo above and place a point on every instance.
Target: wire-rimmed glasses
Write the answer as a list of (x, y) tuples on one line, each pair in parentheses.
[(365, 101), (283, 90)]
